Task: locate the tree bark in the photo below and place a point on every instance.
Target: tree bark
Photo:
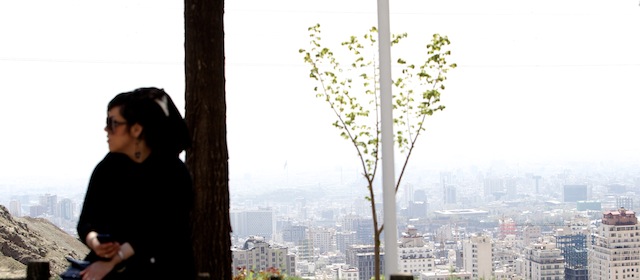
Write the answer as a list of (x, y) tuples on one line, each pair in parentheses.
[(208, 157)]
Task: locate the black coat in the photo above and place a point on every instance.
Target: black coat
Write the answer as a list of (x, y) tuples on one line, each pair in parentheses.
[(147, 205)]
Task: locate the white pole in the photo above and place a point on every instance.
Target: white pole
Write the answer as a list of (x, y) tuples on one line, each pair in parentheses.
[(388, 176)]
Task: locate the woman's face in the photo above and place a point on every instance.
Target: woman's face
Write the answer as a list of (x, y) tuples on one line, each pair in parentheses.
[(118, 133)]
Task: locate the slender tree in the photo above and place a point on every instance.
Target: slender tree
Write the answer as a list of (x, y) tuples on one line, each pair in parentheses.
[(208, 157), (349, 85)]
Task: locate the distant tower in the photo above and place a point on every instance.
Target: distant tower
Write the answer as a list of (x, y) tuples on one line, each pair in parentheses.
[(15, 208), (449, 194), (446, 180), (537, 178), (615, 247)]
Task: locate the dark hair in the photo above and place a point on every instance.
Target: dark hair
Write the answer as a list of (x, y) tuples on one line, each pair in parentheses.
[(163, 128)]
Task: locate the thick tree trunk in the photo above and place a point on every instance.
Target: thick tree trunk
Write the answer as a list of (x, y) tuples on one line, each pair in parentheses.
[(206, 117)]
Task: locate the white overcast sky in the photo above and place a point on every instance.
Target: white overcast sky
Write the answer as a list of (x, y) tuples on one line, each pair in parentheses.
[(537, 80)]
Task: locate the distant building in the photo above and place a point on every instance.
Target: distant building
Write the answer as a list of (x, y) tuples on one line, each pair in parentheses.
[(15, 208), (294, 233), (575, 193), (66, 209), (414, 254), (49, 202), (417, 209), (37, 211), (257, 255), (247, 223), (449, 194), (625, 202), (322, 239), (363, 258), (506, 227), (477, 252), (364, 231), (614, 252), (543, 261), (574, 251), (588, 205), (530, 234), (493, 187), (344, 272), (344, 239)]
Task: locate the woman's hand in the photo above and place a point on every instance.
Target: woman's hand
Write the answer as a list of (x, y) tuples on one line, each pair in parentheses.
[(97, 270), (106, 250)]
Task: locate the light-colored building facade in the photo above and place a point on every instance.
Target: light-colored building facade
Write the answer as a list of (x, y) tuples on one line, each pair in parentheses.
[(477, 253), (614, 252), (260, 222), (543, 261), (257, 255), (323, 239), (415, 256)]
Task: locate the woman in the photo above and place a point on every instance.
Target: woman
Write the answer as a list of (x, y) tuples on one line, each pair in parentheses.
[(140, 194)]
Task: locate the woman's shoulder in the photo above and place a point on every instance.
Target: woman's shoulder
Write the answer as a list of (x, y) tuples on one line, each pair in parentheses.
[(112, 160)]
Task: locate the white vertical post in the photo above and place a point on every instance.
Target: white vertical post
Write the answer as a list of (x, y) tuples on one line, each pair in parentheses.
[(388, 176)]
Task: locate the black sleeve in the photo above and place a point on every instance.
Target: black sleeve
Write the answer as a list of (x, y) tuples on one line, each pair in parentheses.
[(94, 215)]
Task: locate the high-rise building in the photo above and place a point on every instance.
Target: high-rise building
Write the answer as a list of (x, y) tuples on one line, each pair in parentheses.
[(294, 233), (574, 250), (477, 252), (449, 194), (625, 202), (543, 261), (49, 202), (363, 258), (364, 231), (258, 255), (414, 254), (66, 209), (614, 252), (15, 208), (344, 239), (493, 187), (247, 223), (322, 239)]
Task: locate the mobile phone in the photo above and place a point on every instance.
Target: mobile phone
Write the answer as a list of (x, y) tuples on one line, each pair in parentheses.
[(105, 238)]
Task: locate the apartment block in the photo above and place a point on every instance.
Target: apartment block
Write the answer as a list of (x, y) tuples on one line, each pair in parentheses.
[(614, 252)]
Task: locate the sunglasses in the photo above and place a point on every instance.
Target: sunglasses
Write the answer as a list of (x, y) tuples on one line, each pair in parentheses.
[(112, 124)]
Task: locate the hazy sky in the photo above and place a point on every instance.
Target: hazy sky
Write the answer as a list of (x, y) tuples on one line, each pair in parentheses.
[(537, 80)]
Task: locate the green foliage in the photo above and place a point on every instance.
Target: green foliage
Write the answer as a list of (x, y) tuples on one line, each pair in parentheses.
[(349, 85)]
